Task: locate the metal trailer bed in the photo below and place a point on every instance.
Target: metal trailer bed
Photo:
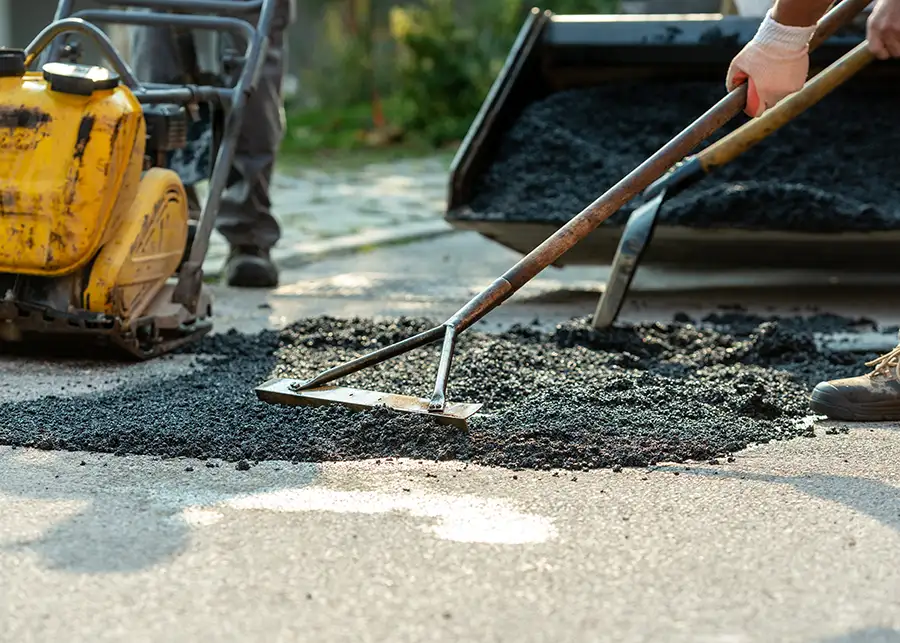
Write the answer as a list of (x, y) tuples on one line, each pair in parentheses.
[(554, 53)]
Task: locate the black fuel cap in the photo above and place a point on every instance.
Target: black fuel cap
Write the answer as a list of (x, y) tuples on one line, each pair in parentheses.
[(12, 62), (82, 80)]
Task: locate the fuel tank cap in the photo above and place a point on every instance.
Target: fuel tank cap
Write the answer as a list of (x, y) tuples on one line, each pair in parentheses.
[(82, 80), (12, 62)]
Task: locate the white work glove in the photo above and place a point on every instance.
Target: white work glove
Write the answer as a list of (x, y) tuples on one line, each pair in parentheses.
[(775, 63)]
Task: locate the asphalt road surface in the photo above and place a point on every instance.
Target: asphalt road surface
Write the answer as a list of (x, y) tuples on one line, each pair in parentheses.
[(792, 541)]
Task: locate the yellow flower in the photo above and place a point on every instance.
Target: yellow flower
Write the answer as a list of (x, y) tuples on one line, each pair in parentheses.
[(400, 22)]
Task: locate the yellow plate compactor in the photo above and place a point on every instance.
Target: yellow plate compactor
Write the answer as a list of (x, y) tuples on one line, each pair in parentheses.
[(96, 239)]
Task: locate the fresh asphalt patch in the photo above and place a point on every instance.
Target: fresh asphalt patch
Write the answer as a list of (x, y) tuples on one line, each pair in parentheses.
[(573, 398)]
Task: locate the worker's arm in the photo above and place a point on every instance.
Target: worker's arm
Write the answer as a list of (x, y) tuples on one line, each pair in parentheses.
[(883, 29), (800, 13), (776, 62)]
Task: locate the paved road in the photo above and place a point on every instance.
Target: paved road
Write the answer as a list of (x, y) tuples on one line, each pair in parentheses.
[(322, 211), (793, 541)]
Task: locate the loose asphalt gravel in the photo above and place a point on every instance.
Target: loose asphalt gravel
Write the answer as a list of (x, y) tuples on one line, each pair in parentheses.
[(830, 170), (574, 398)]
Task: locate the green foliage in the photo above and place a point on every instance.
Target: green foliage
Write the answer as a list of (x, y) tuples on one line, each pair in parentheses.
[(330, 128), (435, 65), (446, 66), (349, 58), (336, 127)]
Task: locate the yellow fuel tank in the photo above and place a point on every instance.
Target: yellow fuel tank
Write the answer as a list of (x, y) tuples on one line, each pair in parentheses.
[(64, 154)]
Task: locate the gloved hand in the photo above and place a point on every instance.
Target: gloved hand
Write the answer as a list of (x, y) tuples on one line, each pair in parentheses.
[(775, 63), (883, 29)]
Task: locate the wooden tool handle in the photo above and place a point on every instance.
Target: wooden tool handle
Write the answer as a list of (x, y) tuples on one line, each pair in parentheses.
[(742, 139), (633, 184)]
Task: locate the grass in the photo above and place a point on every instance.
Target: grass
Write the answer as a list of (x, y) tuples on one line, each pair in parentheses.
[(346, 139), (338, 159)]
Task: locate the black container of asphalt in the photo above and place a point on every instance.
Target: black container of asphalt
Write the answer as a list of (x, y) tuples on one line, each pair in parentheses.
[(830, 170)]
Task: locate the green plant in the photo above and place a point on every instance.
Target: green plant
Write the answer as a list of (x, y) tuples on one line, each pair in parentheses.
[(446, 66), (346, 69), (435, 68)]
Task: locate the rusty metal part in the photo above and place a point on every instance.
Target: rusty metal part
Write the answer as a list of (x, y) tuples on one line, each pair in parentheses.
[(48, 45), (371, 359), (166, 327), (282, 391), (159, 316), (562, 240)]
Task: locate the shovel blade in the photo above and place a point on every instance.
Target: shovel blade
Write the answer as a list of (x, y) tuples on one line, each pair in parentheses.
[(280, 391)]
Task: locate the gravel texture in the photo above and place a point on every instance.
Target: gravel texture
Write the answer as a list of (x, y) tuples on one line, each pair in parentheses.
[(574, 398), (830, 170)]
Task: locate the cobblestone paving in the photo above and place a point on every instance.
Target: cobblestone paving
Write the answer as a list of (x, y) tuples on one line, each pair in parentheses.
[(325, 211)]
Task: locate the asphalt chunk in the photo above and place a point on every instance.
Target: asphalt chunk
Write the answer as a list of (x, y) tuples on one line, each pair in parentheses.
[(830, 170), (574, 398)]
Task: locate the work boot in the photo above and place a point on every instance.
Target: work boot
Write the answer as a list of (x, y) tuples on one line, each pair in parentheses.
[(193, 203), (867, 398), (250, 267)]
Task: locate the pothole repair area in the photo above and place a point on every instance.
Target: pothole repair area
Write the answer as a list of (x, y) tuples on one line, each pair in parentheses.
[(574, 398)]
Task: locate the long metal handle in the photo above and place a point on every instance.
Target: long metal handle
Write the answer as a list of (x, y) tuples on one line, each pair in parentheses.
[(739, 141), (64, 9), (191, 6), (237, 26), (77, 25), (146, 94), (190, 279), (629, 187)]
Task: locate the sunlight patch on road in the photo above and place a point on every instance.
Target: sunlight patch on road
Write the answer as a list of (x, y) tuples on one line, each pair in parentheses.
[(467, 519), (200, 517)]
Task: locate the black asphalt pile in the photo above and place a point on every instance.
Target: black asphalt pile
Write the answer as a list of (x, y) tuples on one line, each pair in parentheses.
[(830, 170), (574, 398)]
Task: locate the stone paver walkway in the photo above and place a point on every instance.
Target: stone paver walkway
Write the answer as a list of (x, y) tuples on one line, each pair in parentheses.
[(325, 212)]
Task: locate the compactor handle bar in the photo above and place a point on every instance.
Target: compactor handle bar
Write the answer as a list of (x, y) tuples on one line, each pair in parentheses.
[(227, 7), (83, 22)]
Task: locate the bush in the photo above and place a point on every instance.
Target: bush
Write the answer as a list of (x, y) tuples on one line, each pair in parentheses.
[(437, 76), (446, 67)]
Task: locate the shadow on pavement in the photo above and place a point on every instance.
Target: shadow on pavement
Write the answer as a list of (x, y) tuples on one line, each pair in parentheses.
[(132, 519), (868, 635), (870, 497)]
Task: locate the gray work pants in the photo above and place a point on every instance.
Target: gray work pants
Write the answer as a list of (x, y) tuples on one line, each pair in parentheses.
[(245, 218)]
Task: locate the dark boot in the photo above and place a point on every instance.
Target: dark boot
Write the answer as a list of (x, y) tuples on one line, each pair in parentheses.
[(193, 203), (872, 397), (249, 267)]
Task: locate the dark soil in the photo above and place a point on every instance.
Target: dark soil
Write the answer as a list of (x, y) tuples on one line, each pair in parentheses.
[(574, 398), (830, 170)]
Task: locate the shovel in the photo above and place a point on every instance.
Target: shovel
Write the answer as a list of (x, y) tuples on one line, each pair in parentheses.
[(642, 222), (316, 392)]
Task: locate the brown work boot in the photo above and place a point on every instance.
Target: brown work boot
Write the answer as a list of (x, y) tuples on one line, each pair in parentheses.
[(250, 267), (867, 398)]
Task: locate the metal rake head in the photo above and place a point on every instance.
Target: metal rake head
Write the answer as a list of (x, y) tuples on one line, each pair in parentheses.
[(315, 392)]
